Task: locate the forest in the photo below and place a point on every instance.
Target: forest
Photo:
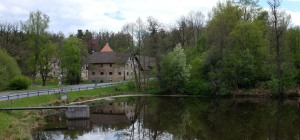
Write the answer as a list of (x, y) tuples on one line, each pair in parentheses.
[(237, 47)]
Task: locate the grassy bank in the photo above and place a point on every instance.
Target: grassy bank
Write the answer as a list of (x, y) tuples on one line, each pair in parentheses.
[(19, 124)]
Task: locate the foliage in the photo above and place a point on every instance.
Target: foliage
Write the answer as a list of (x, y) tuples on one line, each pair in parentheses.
[(292, 41), (36, 26), (131, 85), (11, 38), (278, 27), (72, 55), (175, 72), (46, 56), (198, 87), (4, 77), (8, 69), (19, 83)]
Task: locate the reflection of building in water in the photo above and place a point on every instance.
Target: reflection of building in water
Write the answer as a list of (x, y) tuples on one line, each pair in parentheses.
[(59, 121), (117, 113)]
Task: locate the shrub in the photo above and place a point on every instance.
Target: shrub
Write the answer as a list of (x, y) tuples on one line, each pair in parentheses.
[(10, 64), (19, 83), (131, 85), (3, 77), (199, 87), (8, 69)]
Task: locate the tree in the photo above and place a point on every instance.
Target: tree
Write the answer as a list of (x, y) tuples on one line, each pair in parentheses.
[(36, 27), (249, 9), (44, 63), (189, 28), (175, 72), (4, 77), (278, 25), (72, 56), (292, 41), (154, 47), (8, 69), (12, 40), (129, 29), (248, 50), (224, 18)]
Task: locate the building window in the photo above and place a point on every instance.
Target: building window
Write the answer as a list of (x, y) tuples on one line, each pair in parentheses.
[(127, 73), (110, 65), (120, 73), (93, 73), (110, 73), (101, 73)]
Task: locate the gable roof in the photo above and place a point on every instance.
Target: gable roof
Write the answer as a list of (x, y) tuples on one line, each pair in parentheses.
[(106, 48), (108, 57), (145, 62)]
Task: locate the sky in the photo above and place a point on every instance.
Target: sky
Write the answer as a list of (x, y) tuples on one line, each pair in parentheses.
[(68, 16)]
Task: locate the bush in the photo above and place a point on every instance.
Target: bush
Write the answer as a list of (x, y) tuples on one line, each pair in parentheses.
[(131, 85), (19, 83), (199, 87), (3, 77), (8, 69), (10, 64)]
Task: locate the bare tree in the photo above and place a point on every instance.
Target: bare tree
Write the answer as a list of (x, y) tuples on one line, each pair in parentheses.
[(278, 25), (139, 32), (129, 28), (249, 9), (154, 27), (190, 27)]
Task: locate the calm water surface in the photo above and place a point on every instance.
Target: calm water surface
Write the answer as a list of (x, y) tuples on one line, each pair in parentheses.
[(164, 118)]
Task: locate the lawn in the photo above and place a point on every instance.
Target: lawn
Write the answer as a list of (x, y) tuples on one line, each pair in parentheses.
[(19, 124)]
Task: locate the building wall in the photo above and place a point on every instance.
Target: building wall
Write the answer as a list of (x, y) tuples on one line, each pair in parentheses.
[(110, 72), (84, 73)]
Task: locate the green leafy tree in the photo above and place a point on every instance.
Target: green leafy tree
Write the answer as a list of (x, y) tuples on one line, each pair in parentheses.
[(8, 69), (175, 72), (36, 27), (224, 18), (247, 58), (72, 56), (293, 44), (47, 54)]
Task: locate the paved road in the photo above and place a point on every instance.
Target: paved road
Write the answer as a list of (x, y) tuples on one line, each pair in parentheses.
[(4, 96)]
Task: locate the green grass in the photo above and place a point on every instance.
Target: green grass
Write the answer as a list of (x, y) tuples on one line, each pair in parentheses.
[(37, 85), (16, 124)]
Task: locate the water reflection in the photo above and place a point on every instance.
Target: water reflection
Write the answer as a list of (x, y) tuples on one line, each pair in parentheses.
[(180, 118)]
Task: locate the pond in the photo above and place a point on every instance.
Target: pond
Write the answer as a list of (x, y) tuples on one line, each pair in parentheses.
[(165, 118)]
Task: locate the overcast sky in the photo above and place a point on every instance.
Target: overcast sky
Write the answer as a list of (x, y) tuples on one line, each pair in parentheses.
[(70, 15)]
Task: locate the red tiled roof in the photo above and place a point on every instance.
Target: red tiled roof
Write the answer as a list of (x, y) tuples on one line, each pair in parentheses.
[(106, 48)]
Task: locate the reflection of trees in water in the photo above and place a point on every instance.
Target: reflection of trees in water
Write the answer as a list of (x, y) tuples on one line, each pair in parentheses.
[(224, 119), (228, 119), (53, 135), (192, 118)]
